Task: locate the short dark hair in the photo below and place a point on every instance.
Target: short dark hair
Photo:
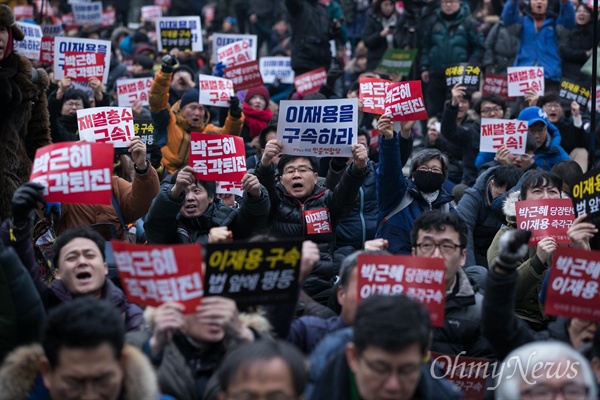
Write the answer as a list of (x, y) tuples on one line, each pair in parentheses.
[(243, 356), (568, 171), (539, 178), (437, 220), (391, 323), (506, 175), (490, 98), (76, 94), (71, 234), (349, 264), (551, 97), (286, 159), (82, 323), (362, 132), (530, 143), (262, 137), (425, 155)]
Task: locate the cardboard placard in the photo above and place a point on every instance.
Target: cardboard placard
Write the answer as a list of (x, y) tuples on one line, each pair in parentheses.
[(520, 79), (151, 13), (144, 128), (47, 51), (586, 196), (546, 218), (218, 157), (498, 133), (244, 76), (223, 39), (236, 53), (371, 91), (131, 90), (31, 46), (183, 33), (570, 91), (230, 187), (495, 84), (396, 61), (310, 82), (215, 91), (272, 68), (467, 75), (73, 46), (404, 101), (469, 374), (87, 13), (106, 125)]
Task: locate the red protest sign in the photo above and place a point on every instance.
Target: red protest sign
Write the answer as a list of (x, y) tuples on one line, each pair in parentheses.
[(371, 92), (153, 275), (83, 66), (23, 12), (495, 84), (467, 373), (404, 101), (75, 172), (421, 278), (317, 221), (573, 285), (549, 217), (47, 51), (218, 157), (310, 82), (244, 76), (108, 18)]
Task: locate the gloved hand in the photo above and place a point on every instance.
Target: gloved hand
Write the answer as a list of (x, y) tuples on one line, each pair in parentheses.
[(168, 62), (219, 69), (333, 75), (512, 248), (25, 200), (234, 107)]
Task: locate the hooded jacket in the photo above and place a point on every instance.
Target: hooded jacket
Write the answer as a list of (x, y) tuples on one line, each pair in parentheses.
[(573, 50), (172, 130)]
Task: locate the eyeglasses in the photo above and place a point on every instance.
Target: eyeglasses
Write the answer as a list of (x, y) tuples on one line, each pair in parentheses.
[(73, 104), (425, 168), (552, 106), (490, 110), (383, 372), (428, 248), (302, 169), (525, 156), (570, 391)]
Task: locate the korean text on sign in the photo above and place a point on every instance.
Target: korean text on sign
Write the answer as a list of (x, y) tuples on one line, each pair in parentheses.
[(47, 51), (546, 218), (215, 91), (467, 75), (317, 221), (521, 79), (466, 373), (235, 53), (495, 84), (244, 76), (83, 66), (404, 101), (52, 30), (230, 187), (310, 82), (106, 125), (23, 12), (144, 128), (498, 133), (397, 61), (254, 273), (586, 196), (417, 277), (323, 128), (108, 18), (179, 32), (153, 275), (31, 46), (131, 90), (218, 157), (77, 66), (573, 287), (223, 39), (570, 91), (272, 68), (87, 13), (75, 172), (371, 91), (151, 13)]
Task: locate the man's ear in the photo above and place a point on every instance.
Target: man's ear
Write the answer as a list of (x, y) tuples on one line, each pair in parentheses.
[(46, 372), (463, 257), (352, 356), (340, 294), (413, 251)]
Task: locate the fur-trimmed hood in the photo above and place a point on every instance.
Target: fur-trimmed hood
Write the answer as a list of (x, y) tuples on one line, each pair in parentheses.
[(509, 207), (20, 372)]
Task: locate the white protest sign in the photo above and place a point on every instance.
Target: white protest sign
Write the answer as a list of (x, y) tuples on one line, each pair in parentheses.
[(215, 91), (131, 90), (87, 13), (320, 128), (521, 79), (235, 53), (223, 39), (179, 32), (52, 30), (230, 187), (106, 125), (272, 68), (151, 13), (31, 46), (71, 46), (497, 133)]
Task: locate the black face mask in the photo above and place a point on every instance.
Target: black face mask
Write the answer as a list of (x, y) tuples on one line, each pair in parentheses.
[(427, 181)]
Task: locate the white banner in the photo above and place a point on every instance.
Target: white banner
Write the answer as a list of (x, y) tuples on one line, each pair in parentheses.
[(223, 39), (63, 45), (87, 13), (31, 46), (236, 53), (276, 67), (172, 32)]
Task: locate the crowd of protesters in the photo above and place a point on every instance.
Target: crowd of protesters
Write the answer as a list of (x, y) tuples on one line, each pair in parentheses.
[(414, 188)]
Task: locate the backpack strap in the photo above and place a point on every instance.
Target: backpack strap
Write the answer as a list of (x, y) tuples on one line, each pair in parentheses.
[(115, 205), (405, 202)]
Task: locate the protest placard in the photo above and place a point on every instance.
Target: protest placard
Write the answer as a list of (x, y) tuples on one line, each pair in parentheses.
[(235, 53), (144, 128), (546, 218), (215, 91), (521, 79), (310, 82), (396, 61), (151, 13), (244, 76), (570, 92), (217, 157), (184, 33), (573, 284), (421, 278), (131, 90), (272, 68), (75, 172), (87, 13), (223, 39), (322, 128), (154, 275), (43, 7), (163, 3), (317, 221), (495, 84), (23, 12), (371, 91), (69, 21), (106, 125), (404, 101), (497, 133), (52, 30), (254, 273), (47, 51), (31, 46), (466, 373), (467, 75), (230, 187), (109, 18), (586, 196), (80, 58), (590, 105)]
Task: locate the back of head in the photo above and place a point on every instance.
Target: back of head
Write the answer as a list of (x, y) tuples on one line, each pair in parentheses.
[(568, 171), (75, 233), (438, 220), (262, 137), (391, 323), (507, 176), (84, 323)]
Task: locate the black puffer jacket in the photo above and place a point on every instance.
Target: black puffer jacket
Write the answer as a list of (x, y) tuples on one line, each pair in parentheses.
[(572, 47)]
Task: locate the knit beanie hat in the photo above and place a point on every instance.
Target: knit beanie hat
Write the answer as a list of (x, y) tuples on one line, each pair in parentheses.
[(190, 96), (257, 91)]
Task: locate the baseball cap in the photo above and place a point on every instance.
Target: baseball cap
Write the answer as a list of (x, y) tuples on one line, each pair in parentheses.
[(533, 115)]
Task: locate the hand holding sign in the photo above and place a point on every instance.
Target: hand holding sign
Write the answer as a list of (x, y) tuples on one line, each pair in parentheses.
[(272, 150), (545, 249), (26, 199), (458, 93), (185, 178), (138, 152), (385, 127), (222, 311), (167, 319), (360, 155), (251, 185), (581, 232)]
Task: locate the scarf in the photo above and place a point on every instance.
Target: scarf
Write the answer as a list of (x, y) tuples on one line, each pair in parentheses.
[(256, 120)]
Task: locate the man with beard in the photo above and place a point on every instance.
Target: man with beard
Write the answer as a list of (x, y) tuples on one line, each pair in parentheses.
[(402, 200)]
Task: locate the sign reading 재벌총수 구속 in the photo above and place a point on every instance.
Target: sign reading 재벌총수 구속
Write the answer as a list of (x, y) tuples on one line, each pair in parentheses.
[(421, 278), (320, 128), (131, 90), (521, 79), (572, 290), (236, 53), (498, 133), (254, 273), (223, 39), (106, 125), (75, 172), (81, 59), (217, 157), (371, 91), (154, 275), (404, 101), (215, 91), (546, 218), (230, 188)]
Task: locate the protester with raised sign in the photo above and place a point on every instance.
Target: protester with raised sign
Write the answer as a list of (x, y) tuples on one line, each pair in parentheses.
[(524, 162), (174, 125), (187, 211), (24, 123), (182, 81)]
